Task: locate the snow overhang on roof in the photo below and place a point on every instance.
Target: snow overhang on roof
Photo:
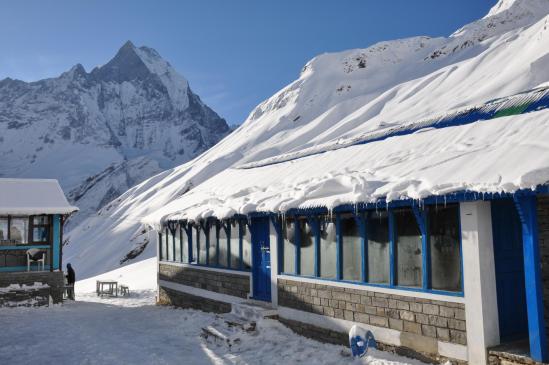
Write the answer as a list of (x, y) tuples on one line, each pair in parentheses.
[(33, 196), (500, 155)]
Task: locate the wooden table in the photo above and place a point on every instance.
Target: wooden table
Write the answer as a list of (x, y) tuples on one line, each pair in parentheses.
[(112, 287)]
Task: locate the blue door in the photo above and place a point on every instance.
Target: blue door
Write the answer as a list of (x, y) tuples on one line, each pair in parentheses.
[(261, 259), (510, 285)]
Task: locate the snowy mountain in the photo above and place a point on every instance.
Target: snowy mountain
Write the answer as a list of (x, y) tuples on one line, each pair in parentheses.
[(337, 96), (102, 132)]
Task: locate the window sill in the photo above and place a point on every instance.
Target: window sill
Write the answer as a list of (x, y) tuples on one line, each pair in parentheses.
[(454, 297), (206, 268)]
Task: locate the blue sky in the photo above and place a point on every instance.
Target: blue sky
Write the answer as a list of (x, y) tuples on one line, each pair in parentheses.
[(234, 53)]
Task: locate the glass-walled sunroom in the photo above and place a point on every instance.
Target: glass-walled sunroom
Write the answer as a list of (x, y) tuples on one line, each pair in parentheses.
[(26, 242), (224, 244), (408, 248)]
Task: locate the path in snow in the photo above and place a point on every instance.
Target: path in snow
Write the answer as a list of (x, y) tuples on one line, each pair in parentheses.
[(135, 331)]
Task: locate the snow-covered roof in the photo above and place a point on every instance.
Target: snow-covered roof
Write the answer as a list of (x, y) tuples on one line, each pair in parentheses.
[(499, 155), (33, 196)]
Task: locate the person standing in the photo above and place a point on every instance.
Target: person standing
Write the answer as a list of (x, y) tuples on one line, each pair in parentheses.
[(71, 278)]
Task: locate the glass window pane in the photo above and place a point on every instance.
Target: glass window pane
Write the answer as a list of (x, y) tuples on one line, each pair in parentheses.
[(162, 246), (184, 244), (177, 253), (169, 245), (288, 232), (223, 245), (307, 247), (212, 249), (445, 248), (194, 237), (3, 229), (408, 249), (40, 220), (235, 244), (40, 234), (246, 247), (202, 246), (378, 247), (352, 253), (19, 228), (328, 248)]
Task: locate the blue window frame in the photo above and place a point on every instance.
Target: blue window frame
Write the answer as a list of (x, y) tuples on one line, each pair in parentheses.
[(211, 243), (409, 248)]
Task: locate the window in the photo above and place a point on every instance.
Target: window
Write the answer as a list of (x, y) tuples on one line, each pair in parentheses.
[(168, 243), (307, 248), (235, 244), (408, 249), (19, 229), (288, 233), (246, 246), (184, 244), (328, 248), (223, 241), (177, 240), (378, 247), (3, 229), (202, 242), (392, 240), (351, 245), (40, 228), (194, 237), (212, 248), (445, 248)]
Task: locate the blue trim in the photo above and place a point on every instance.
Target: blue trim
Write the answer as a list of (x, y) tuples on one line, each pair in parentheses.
[(526, 207), (160, 246), (181, 246), (315, 226), (375, 285), (533, 100), (339, 248), (21, 247), (23, 268), (56, 251), (297, 238), (189, 233), (240, 249)]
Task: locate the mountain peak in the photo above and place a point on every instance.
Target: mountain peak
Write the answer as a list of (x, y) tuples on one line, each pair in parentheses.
[(128, 45), (126, 65)]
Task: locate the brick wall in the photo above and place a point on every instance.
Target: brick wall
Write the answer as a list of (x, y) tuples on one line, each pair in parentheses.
[(439, 320), (183, 300), (543, 231), (55, 280), (219, 282)]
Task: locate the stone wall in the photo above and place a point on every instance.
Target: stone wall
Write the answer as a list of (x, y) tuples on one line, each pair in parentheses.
[(168, 296), (543, 231), (219, 282), (430, 319), (55, 280)]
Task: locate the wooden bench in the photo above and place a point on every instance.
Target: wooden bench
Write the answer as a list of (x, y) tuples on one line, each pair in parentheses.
[(124, 290)]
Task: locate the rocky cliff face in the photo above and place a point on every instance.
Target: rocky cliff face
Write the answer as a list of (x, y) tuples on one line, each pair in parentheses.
[(102, 132)]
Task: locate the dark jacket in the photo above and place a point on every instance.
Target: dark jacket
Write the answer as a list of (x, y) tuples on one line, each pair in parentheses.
[(71, 277)]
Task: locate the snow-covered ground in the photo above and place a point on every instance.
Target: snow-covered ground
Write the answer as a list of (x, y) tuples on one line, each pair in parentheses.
[(132, 330)]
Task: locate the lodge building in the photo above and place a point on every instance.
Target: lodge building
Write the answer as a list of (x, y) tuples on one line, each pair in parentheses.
[(32, 214), (462, 275)]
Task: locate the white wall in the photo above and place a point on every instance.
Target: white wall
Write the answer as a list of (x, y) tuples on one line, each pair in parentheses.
[(481, 307)]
